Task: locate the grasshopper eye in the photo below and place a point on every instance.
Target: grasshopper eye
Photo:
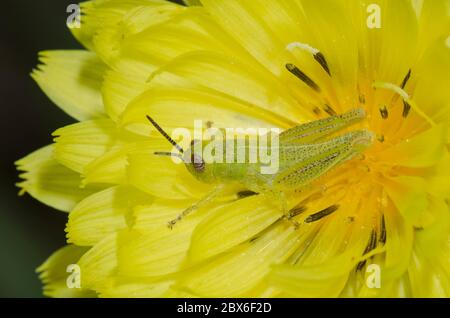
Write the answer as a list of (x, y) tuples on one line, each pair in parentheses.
[(198, 163)]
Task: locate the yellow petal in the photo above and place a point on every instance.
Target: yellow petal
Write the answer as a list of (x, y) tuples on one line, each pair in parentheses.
[(333, 33), (240, 270), (110, 40), (129, 288), (434, 21), (104, 14), (72, 80), (186, 31), (429, 271), (431, 240), (101, 214), (227, 75), (322, 280), (399, 240), (53, 273), (49, 182), (119, 89), (424, 149), (409, 195), (99, 264), (111, 168), (231, 225), (377, 43), (241, 19), (431, 93), (180, 107), (152, 249), (330, 251), (79, 144), (439, 182), (429, 278)]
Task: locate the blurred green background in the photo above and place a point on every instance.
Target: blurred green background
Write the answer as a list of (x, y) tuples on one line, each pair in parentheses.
[(29, 230)]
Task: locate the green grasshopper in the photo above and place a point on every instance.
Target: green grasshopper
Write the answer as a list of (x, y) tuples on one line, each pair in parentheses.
[(304, 155)]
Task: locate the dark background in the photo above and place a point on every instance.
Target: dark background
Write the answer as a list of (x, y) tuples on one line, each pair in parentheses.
[(29, 230)]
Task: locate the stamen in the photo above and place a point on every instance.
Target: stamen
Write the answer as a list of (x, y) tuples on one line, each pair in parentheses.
[(318, 56), (316, 110), (406, 109), (302, 76), (383, 230), (360, 265), (245, 193), (370, 246), (406, 79), (384, 112), (404, 95), (323, 213), (372, 242), (329, 110), (296, 211), (362, 99)]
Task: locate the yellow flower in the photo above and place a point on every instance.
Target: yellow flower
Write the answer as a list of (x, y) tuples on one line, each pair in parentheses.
[(233, 63)]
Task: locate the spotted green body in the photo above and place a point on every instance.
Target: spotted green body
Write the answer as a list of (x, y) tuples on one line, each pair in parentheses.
[(304, 152)]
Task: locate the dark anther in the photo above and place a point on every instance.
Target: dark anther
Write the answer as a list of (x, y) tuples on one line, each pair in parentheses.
[(317, 216), (406, 109), (406, 79), (362, 99), (383, 231), (370, 246), (330, 111), (384, 112), (320, 58), (296, 211), (245, 194), (302, 76), (360, 266)]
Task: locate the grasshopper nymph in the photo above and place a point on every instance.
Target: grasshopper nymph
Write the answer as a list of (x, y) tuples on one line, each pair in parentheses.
[(304, 154)]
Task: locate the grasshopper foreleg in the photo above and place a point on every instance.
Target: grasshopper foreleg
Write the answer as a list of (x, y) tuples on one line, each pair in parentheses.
[(204, 201)]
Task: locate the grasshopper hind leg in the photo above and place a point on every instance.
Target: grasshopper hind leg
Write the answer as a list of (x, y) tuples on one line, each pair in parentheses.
[(259, 184), (280, 198)]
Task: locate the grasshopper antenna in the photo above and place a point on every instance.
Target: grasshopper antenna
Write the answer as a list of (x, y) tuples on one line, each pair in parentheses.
[(165, 135), (169, 154)]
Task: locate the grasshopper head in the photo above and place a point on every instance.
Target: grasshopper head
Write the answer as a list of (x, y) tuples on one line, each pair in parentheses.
[(192, 158), (195, 163)]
